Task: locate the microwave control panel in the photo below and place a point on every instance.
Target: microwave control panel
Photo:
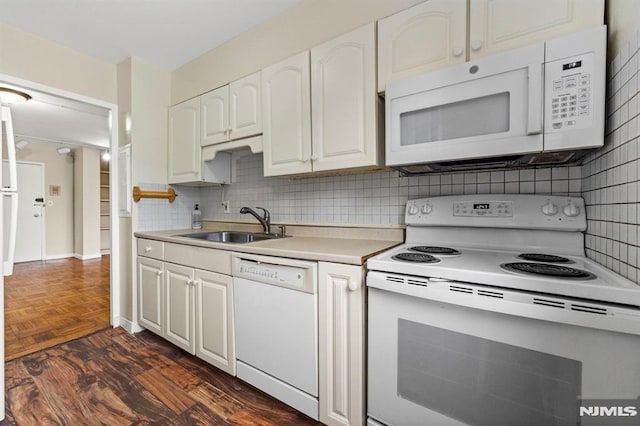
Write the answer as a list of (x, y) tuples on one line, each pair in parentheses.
[(569, 100)]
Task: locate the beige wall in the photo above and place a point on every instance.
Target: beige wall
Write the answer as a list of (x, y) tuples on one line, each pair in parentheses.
[(87, 203), (58, 216), (32, 58), (143, 95), (305, 25), (623, 19), (150, 99)]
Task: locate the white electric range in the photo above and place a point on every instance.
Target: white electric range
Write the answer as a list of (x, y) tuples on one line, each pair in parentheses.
[(490, 313)]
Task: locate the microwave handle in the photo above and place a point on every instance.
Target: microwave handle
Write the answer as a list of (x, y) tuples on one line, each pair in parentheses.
[(534, 118)]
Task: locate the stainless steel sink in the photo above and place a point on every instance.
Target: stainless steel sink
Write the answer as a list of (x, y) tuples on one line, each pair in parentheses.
[(237, 237)]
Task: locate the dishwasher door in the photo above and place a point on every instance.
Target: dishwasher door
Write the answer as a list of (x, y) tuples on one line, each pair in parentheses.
[(276, 328), (277, 332)]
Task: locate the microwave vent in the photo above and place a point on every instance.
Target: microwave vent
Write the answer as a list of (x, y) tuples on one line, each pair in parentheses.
[(551, 158)]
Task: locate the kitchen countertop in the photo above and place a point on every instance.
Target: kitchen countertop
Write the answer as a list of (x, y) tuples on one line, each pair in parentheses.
[(354, 249)]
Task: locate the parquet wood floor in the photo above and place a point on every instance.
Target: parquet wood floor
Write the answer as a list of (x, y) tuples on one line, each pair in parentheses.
[(115, 378), (47, 303)]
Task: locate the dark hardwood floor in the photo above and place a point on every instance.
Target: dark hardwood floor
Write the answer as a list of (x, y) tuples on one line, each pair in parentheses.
[(115, 378), (47, 303)]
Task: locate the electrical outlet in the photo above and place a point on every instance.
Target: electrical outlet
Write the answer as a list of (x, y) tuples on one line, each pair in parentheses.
[(225, 205)]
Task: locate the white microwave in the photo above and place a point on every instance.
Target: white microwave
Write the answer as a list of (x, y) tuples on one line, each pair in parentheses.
[(539, 104)]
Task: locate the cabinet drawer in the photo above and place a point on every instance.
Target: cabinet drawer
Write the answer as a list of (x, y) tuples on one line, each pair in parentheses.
[(199, 257), (150, 248)]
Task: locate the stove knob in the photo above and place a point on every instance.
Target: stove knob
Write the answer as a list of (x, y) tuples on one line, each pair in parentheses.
[(426, 209), (571, 210), (549, 209), (412, 210)]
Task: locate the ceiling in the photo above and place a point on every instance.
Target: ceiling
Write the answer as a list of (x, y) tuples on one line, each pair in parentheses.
[(62, 121), (167, 33)]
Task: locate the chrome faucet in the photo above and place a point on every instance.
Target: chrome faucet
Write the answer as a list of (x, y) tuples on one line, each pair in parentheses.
[(265, 221)]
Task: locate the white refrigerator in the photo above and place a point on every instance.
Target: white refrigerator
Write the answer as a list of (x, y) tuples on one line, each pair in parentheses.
[(9, 200)]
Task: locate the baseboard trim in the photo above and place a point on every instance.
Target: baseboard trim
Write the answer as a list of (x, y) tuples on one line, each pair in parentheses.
[(60, 256), (130, 326), (87, 256), (105, 251)]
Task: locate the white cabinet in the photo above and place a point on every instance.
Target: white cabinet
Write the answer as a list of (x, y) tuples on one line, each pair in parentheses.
[(188, 299), (179, 306), (151, 295), (497, 25), (425, 37), (184, 142), (286, 94), (185, 155), (344, 103), (341, 341), (214, 109), (232, 112), (334, 126), (434, 34), (214, 320)]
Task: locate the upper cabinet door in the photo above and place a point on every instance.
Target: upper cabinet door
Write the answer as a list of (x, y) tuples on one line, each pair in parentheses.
[(344, 101), (423, 38), (184, 142), (286, 142), (245, 108), (215, 116), (497, 25)]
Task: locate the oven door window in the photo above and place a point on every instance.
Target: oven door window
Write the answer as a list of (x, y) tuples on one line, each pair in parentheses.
[(431, 362), (484, 115), (460, 375)]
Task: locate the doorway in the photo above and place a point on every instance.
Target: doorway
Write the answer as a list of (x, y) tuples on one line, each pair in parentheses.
[(95, 106)]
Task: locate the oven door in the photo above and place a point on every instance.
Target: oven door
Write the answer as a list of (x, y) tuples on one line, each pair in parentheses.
[(432, 362), (486, 108)]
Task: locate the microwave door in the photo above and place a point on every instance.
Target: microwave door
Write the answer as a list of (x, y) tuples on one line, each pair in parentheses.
[(495, 114)]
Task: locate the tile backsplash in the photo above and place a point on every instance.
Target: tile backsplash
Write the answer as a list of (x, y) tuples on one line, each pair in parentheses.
[(159, 214), (368, 198), (610, 176)]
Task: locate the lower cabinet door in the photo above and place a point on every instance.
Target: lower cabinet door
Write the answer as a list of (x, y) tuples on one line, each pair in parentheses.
[(150, 295), (179, 284), (341, 337), (214, 319)]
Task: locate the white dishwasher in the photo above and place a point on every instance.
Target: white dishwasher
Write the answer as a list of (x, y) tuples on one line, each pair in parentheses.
[(275, 302)]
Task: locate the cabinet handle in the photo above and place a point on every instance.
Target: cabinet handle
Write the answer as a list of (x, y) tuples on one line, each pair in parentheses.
[(314, 158), (457, 51), (476, 45), (160, 273), (353, 285), (191, 282), (304, 160), (147, 249)]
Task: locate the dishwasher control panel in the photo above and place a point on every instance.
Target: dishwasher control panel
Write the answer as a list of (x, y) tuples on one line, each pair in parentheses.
[(290, 273)]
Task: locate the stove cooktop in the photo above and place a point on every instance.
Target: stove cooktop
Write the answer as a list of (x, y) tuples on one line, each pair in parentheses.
[(552, 274)]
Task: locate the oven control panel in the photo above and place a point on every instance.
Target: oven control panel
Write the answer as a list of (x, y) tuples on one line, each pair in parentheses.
[(523, 211), (483, 209)]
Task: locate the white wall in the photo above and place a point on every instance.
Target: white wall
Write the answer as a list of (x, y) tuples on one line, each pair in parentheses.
[(143, 97), (623, 20), (308, 23), (32, 58), (87, 203), (59, 215)]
